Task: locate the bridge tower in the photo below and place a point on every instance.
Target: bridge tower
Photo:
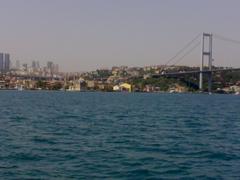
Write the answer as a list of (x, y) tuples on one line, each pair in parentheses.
[(207, 43)]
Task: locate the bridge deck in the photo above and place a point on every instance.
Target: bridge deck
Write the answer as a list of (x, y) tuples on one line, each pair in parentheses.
[(193, 72)]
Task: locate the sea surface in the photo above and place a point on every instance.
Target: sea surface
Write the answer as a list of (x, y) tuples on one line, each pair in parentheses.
[(72, 135)]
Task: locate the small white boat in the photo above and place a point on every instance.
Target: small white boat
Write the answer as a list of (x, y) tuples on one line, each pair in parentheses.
[(19, 87)]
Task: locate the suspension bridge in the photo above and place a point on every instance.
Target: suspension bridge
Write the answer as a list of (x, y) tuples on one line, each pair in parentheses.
[(206, 55)]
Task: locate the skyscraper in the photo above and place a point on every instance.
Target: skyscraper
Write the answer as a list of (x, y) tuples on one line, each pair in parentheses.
[(55, 68), (37, 65), (34, 65), (50, 65), (25, 67), (1, 61), (17, 65), (6, 62)]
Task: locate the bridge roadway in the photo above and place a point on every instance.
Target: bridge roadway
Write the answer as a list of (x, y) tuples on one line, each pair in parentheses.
[(192, 72)]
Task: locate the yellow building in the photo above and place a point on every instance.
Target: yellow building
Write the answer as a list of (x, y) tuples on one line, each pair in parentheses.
[(126, 87)]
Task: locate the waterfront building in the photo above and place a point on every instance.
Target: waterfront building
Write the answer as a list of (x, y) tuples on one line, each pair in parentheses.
[(2, 84), (177, 89), (233, 88), (126, 87), (101, 86), (116, 88), (79, 85), (91, 84)]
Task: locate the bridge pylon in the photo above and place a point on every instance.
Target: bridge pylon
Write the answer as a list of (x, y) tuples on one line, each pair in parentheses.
[(206, 53)]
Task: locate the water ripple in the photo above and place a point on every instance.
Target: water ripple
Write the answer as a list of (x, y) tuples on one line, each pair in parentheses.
[(56, 135)]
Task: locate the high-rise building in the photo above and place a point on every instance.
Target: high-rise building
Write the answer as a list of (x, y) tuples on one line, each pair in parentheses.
[(1, 61), (49, 65), (25, 67), (6, 62), (17, 65), (37, 65), (55, 68), (34, 66)]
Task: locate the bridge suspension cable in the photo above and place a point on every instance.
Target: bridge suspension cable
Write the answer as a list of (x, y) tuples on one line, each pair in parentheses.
[(182, 50), (187, 53), (228, 40), (223, 38)]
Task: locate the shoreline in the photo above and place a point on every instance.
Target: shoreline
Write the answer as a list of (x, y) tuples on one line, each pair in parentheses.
[(119, 92)]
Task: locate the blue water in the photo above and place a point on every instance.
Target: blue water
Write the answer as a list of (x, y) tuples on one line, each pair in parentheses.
[(58, 135)]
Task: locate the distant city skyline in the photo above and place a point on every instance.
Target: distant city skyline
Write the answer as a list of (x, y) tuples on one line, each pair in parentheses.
[(88, 35)]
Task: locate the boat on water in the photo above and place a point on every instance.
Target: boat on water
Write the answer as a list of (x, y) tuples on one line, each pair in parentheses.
[(237, 93), (19, 87)]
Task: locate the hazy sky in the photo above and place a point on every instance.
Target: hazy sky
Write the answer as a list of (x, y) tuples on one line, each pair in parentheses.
[(88, 34)]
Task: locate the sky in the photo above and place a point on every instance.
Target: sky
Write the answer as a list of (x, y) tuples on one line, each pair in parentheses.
[(83, 35)]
